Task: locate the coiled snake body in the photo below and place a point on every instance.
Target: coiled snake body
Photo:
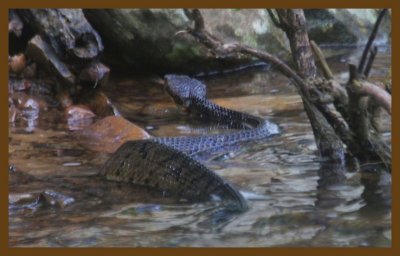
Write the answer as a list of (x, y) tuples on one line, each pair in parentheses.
[(167, 163)]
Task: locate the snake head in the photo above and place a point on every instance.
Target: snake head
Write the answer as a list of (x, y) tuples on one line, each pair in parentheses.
[(182, 89)]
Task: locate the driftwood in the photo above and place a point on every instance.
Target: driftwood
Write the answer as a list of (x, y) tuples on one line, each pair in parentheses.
[(338, 113)]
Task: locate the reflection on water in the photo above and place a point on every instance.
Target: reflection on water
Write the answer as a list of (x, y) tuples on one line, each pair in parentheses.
[(56, 199)]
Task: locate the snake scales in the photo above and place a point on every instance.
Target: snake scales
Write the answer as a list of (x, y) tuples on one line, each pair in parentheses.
[(167, 163)]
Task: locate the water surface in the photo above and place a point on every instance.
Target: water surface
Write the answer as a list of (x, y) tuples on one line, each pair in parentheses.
[(292, 200)]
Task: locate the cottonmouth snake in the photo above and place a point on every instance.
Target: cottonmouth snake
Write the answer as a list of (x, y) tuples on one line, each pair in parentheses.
[(167, 163)]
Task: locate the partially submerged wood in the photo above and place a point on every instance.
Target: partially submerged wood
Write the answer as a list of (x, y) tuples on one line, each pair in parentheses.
[(338, 113), (330, 147)]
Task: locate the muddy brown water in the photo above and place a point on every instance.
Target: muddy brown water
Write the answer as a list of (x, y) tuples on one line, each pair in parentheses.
[(291, 202)]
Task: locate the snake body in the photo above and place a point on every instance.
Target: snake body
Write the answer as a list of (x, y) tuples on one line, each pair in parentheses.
[(167, 163)]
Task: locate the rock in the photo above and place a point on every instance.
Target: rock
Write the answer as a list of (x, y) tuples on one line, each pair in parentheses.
[(15, 24), (18, 177), (98, 102), (65, 44), (41, 52), (23, 101), (12, 113), (65, 99), (29, 71), (27, 99), (96, 73), (19, 84), (21, 198), (67, 31), (53, 198), (20, 90), (78, 117), (31, 103), (345, 26), (30, 110), (17, 63), (34, 201), (145, 39), (77, 112), (260, 104), (107, 134)]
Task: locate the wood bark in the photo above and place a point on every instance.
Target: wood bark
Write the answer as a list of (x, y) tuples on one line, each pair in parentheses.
[(338, 113)]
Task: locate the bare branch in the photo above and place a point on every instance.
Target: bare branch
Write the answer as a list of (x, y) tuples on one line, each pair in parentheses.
[(365, 88), (329, 144), (381, 96), (180, 32), (371, 59), (338, 123), (370, 41), (201, 33), (224, 49), (339, 92), (196, 15), (353, 73), (283, 21), (348, 123), (274, 19), (321, 60)]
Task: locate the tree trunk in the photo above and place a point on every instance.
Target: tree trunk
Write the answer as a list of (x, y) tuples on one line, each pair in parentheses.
[(293, 22)]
